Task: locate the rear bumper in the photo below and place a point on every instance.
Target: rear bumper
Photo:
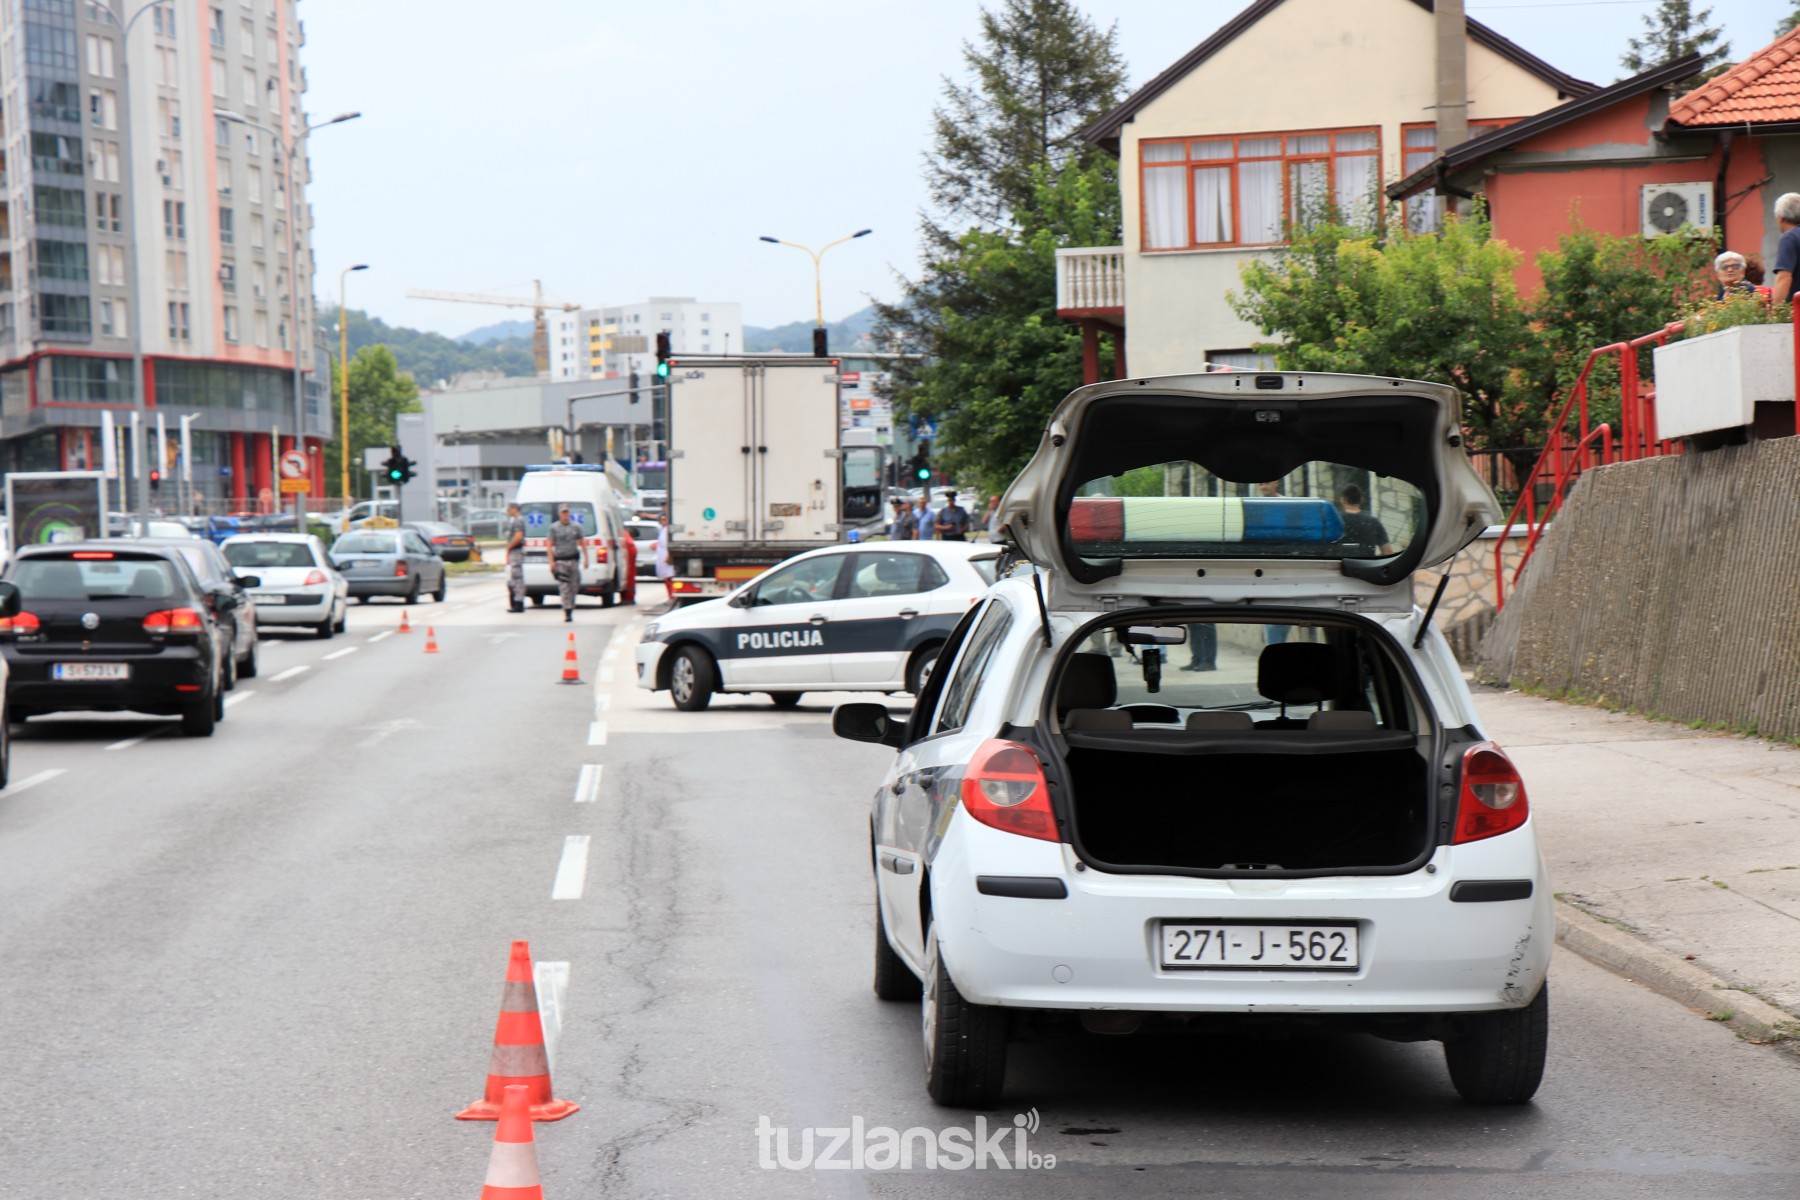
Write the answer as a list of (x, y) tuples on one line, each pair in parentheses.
[(310, 611), (391, 585), (151, 687)]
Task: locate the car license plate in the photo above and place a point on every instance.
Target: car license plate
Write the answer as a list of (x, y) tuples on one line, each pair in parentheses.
[(1229, 946), (269, 597), (90, 672)]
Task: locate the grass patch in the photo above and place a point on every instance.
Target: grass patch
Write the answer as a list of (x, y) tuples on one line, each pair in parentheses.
[(1587, 699), (1722, 1016), (474, 568)]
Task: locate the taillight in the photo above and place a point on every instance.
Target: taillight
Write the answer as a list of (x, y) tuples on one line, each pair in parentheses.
[(438, 541), (400, 569), (1493, 796), (313, 579), (174, 620), (1005, 788), (23, 623)]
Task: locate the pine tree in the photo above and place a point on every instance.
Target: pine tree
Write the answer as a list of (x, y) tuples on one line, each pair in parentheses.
[(1675, 31)]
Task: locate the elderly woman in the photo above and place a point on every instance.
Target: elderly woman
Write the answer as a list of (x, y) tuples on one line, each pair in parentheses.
[(1729, 270)]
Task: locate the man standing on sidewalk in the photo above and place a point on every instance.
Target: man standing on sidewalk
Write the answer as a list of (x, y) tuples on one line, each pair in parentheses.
[(515, 559), (568, 559)]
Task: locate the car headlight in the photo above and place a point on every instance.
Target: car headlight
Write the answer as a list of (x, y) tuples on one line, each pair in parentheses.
[(649, 633)]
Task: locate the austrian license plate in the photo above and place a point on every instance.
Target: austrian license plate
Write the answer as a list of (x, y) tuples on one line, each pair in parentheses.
[(1228, 946), (90, 672)]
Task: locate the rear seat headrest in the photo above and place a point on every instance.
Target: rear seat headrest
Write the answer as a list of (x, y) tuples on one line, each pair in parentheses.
[(1226, 722), (1342, 720), (1297, 672), (1087, 682)]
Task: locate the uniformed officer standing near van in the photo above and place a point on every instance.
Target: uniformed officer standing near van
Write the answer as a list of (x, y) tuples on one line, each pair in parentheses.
[(515, 559), (568, 559)]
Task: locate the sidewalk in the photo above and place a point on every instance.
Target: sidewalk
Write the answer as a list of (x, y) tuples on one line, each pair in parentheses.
[(1684, 844)]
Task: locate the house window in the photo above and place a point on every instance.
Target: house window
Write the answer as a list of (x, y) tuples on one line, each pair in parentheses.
[(164, 18), (63, 314), (227, 226), (63, 260), (1425, 212), (216, 31), (231, 324), (1244, 191), (179, 329), (107, 328), (228, 278), (175, 219)]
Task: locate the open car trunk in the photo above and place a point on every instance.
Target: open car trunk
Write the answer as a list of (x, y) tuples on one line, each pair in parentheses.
[(1282, 800)]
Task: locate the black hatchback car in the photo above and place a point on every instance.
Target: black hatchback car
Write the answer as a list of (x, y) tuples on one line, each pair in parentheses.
[(111, 627)]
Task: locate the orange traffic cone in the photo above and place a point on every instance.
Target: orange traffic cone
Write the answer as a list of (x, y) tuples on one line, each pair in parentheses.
[(571, 664), (405, 625), (512, 1172), (430, 640), (519, 1058)]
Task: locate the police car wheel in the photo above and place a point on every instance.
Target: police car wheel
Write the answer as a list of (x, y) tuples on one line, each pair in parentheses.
[(919, 673), (786, 699), (691, 679)]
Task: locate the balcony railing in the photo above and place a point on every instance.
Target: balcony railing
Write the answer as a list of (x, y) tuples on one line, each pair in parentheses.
[(1090, 280)]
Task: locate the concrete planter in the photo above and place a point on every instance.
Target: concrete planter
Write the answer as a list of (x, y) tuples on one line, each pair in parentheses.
[(1714, 382)]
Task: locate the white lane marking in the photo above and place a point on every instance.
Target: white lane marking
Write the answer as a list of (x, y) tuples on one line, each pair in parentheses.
[(597, 733), (289, 673), (128, 743), (552, 979), (341, 653), (234, 698), (606, 674), (612, 653), (571, 872), (386, 634), (34, 780), (587, 787), (388, 729), (602, 701)]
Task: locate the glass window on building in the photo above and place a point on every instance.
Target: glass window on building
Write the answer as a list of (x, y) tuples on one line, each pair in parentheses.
[(48, 46), (63, 260), (64, 314), (55, 101), (86, 380), (59, 206), (56, 154), (227, 225)]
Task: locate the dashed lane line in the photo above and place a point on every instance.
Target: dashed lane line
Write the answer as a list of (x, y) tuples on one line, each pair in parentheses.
[(234, 698), (606, 674), (587, 786), (290, 673), (341, 653), (597, 733), (129, 742), (386, 634), (571, 871), (45, 777), (602, 701)]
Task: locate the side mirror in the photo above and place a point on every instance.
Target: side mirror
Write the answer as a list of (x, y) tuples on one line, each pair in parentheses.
[(224, 600), (743, 599), (868, 723), (248, 581), (10, 600)]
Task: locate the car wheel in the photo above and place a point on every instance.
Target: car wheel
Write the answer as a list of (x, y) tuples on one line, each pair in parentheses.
[(247, 668), (1499, 1058), (965, 1044), (919, 673), (538, 600), (230, 672), (894, 980), (412, 593), (343, 620), (326, 627), (362, 599), (786, 699), (200, 717), (608, 598), (5, 749), (443, 589), (218, 705), (691, 679)]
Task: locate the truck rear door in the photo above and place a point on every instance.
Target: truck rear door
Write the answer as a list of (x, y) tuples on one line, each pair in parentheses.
[(711, 422), (797, 474)]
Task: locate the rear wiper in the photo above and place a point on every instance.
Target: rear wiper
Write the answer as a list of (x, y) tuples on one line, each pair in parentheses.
[(1247, 706)]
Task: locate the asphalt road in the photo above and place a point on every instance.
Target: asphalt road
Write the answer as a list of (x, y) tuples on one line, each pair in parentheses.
[(269, 963)]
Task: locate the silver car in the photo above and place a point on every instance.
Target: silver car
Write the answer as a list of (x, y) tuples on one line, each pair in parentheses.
[(389, 562)]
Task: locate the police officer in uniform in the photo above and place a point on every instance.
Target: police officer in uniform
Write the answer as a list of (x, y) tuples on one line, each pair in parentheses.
[(515, 559), (568, 558)]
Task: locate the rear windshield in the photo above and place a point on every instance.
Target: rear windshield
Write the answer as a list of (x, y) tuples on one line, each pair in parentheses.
[(540, 515), (1181, 510), (987, 567), (42, 577), (269, 554), (364, 543)]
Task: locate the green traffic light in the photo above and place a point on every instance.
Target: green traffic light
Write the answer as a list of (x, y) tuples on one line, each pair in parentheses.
[(924, 472), (396, 476), (662, 370)]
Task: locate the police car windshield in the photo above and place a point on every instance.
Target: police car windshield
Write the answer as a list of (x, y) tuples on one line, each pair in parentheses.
[(540, 515), (1182, 510)]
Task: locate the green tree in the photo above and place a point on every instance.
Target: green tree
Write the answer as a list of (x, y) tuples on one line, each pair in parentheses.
[(379, 392), (1788, 23), (432, 356), (1674, 30), (1040, 72)]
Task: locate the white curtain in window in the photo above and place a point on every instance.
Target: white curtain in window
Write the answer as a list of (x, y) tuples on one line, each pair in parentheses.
[(1308, 189), (1355, 191), (1165, 208), (1259, 196), (1212, 205)]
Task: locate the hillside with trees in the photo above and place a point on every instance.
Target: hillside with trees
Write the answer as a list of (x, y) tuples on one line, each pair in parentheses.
[(431, 357)]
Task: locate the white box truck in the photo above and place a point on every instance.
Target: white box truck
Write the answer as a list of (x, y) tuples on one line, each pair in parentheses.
[(755, 473)]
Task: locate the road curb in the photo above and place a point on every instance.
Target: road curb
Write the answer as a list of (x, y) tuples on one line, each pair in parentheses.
[(1625, 953)]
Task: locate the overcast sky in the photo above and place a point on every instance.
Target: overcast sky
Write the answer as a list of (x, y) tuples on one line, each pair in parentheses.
[(621, 151)]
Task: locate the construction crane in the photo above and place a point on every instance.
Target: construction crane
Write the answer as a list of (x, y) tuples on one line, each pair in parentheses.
[(540, 331)]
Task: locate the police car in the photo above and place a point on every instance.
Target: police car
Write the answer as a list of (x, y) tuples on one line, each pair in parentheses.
[(861, 617), (1199, 761)]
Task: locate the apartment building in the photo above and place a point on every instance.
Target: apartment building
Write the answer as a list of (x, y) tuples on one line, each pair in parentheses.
[(622, 337), (103, 141)]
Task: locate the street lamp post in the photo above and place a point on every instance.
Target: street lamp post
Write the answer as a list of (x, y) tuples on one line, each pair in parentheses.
[(141, 502), (818, 286), (289, 150), (344, 374)]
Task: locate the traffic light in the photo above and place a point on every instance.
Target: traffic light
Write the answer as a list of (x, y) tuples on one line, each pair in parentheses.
[(663, 352), (634, 385), (399, 468), (921, 464), (819, 350), (155, 482)]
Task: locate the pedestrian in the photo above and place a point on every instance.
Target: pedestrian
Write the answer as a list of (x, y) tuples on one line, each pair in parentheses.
[(515, 559), (899, 522), (1787, 250), (1362, 530), (665, 565), (568, 559), (992, 519), (1731, 271), (924, 520), (1203, 647), (952, 521)]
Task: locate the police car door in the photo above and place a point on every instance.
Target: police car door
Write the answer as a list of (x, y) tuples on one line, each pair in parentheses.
[(782, 637), (884, 606)]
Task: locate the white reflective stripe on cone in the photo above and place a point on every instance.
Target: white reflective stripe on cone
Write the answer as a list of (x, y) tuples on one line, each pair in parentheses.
[(513, 1165)]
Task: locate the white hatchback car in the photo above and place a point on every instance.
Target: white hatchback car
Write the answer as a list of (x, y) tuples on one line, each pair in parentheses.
[(1203, 761), (860, 617), (296, 583)]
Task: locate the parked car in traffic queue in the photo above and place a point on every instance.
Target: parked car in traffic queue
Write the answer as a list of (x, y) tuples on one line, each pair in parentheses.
[(446, 540), (296, 585), (110, 626), (853, 617), (1204, 764), (389, 562), (216, 575), (643, 535)]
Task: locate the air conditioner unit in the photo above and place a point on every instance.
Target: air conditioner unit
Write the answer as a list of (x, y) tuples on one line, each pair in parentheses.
[(1666, 207)]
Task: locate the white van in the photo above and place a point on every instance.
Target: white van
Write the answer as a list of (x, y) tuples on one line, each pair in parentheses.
[(593, 504)]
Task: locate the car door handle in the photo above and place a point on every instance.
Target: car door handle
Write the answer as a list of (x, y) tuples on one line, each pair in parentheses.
[(817, 619), (907, 614), (896, 864)]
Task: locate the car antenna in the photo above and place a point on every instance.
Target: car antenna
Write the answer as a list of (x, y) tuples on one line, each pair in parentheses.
[(1037, 585), (1425, 620)]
